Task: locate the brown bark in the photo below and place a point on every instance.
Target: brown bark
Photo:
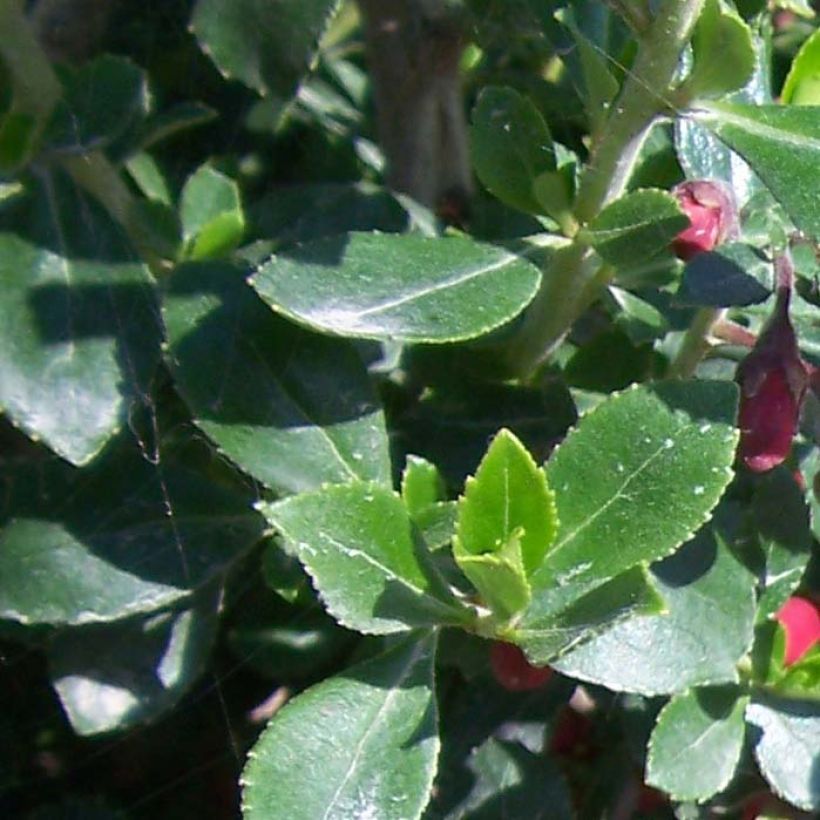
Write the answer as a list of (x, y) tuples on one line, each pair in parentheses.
[(414, 47)]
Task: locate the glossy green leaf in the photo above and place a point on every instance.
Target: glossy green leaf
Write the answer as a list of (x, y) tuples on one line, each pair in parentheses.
[(635, 227), (119, 539), (802, 85), (116, 676), (212, 219), (291, 408), (782, 145), (781, 519), (80, 335), (507, 499), (378, 286), (696, 744), (723, 52), (706, 629), (268, 46), (788, 749), (545, 634), (361, 744), (511, 146), (100, 101), (623, 500), (357, 544), (726, 277)]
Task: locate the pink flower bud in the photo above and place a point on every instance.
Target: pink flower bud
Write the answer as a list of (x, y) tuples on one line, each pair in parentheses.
[(513, 671), (712, 213), (800, 619), (773, 381)]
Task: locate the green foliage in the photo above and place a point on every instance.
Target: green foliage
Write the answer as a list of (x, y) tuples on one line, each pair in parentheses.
[(271, 430)]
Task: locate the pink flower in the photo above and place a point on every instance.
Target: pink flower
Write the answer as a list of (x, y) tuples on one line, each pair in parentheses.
[(712, 214), (773, 381), (800, 619), (513, 671)]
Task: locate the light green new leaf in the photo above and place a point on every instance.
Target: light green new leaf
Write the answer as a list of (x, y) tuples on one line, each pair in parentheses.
[(696, 744), (706, 629), (380, 286), (802, 85), (511, 146), (635, 227), (507, 499), (421, 484), (788, 750), (545, 634), (292, 408), (267, 45), (212, 219), (357, 543), (782, 145), (723, 52), (361, 744), (629, 499)]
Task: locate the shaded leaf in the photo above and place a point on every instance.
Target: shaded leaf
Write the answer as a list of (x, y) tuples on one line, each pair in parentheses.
[(511, 146), (266, 45), (291, 408), (726, 277)]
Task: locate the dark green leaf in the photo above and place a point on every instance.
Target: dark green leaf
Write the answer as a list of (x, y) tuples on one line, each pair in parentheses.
[(624, 500), (292, 408), (546, 634), (100, 101), (116, 676), (729, 276), (377, 286), (362, 744), (788, 749), (511, 146), (80, 336), (696, 745), (510, 781), (17, 131), (119, 539), (357, 543), (782, 144), (781, 519), (707, 627), (635, 227), (269, 46)]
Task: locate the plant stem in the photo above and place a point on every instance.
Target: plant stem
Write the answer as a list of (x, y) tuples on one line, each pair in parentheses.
[(696, 343), (574, 280)]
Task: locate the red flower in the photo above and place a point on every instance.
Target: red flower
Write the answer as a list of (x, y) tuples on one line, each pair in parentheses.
[(800, 619), (773, 381), (513, 671), (712, 214)]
